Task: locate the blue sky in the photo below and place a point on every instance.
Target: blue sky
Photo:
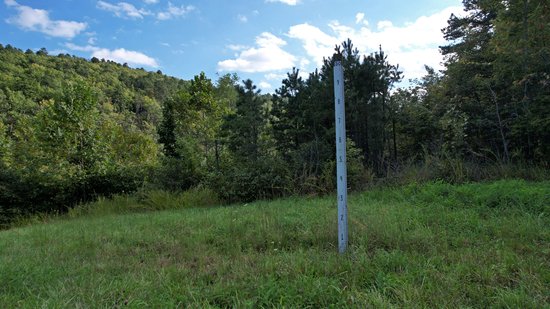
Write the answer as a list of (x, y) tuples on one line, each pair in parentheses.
[(261, 39)]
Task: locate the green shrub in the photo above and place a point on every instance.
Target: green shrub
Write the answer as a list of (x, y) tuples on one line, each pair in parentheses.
[(177, 174), (359, 176), (199, 197), (117, 204), (249, 181), (194, 197), (147, 200)]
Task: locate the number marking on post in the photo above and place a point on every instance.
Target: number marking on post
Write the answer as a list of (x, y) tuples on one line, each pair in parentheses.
[(341, 170)]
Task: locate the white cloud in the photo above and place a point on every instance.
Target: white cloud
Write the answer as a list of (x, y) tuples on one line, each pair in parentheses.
[(92, 40), (359, 17), (119, 55), (275, 76), (267, 56), (265, 86), (123, 9), (174, 11), (236, 47), (39, 20), (87, 48), (289, 2), (304, 63), (56, 52), (317, 43), (242, 18), (411, 45), (163, 16), (384, 24), (127, 10), (122, 55)]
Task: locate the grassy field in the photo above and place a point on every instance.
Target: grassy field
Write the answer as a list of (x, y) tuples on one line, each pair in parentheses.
[(433, 245)]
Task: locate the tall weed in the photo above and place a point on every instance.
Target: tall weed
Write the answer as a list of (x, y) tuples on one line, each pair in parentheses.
[(150, 200)]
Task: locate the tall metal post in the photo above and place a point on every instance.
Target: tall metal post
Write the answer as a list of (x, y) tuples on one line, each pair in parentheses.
[(341, 170)]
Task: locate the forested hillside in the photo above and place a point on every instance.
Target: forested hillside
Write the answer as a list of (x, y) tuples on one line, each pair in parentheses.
[(73, 129)]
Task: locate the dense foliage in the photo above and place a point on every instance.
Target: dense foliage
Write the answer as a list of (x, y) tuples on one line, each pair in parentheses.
[(72, 129), (495, 93)]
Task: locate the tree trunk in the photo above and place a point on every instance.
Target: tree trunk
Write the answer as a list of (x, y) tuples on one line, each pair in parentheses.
[(217, 154), (394, 141), (500, 127), (526, 98)]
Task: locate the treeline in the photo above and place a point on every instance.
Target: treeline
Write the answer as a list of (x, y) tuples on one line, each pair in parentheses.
[(72, 129)]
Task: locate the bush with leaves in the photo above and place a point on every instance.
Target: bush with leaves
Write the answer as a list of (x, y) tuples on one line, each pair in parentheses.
[(247, 181)]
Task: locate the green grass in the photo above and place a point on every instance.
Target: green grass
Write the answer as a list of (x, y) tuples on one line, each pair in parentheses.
[(432, 245)]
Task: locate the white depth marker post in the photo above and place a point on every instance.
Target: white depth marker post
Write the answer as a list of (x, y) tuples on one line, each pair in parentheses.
[(341, 170)]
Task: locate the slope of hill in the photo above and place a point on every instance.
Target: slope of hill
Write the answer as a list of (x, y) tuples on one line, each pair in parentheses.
[(38, 76), (434, 245), (72, 129)]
